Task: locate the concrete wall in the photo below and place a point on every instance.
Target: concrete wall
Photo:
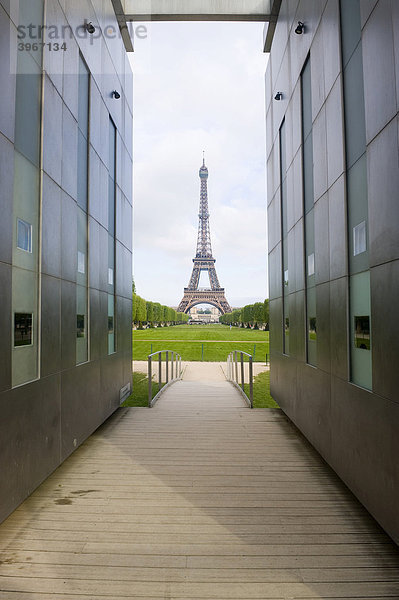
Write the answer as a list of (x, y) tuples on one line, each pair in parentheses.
[(42, 422), (355, 430)]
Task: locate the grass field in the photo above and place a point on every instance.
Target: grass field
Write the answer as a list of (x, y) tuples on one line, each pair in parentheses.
[(139, 396), (201, 342), (262, 397)]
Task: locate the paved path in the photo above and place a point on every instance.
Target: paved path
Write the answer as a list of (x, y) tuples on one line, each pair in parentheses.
[(198, 498)]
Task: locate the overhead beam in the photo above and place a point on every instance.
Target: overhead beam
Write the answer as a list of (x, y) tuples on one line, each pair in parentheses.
[(197, 10), (196, 17), (123, 26), (270, 27)]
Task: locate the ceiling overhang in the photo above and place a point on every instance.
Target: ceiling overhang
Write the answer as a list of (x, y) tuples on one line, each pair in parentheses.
[(197, 10)]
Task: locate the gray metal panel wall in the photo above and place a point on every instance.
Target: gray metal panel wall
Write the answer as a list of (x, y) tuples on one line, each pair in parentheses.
[(42, 422), (355, 430)]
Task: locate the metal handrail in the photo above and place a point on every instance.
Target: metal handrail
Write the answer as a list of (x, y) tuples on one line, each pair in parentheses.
[(232, 374), (175, 372)]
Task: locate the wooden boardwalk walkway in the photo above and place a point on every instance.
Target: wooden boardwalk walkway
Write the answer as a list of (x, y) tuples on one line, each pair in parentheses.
[(198, 498)]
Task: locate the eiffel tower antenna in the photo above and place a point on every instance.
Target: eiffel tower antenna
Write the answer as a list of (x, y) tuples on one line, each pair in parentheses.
[(204, 260)]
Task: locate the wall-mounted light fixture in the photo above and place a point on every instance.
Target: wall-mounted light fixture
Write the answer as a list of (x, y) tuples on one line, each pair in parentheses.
[(278, 96), (90, 27), (116, 95), (300, 28)]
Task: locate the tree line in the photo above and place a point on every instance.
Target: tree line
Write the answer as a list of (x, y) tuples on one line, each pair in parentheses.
[(252, 315), (154, 313)]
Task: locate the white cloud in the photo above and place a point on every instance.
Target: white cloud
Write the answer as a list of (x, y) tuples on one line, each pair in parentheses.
[(199, 86)]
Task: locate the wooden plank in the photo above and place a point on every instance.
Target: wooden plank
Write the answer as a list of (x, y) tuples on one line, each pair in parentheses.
[(201, 562), (150, 574), (42, 596), (224, 518), (188, 527), (191, 540), (158, 574), (211, 590)]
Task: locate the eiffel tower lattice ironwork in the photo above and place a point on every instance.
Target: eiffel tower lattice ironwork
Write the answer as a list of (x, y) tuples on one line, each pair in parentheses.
[(204, 261)]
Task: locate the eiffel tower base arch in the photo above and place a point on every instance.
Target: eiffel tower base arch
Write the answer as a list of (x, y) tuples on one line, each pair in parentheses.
[(216, 298)]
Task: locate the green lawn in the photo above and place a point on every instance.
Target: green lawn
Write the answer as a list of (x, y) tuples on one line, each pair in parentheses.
[(139, 397), (262, 397), (201, 342)]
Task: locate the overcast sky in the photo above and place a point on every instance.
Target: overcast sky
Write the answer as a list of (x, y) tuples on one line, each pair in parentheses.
[(199, 86)]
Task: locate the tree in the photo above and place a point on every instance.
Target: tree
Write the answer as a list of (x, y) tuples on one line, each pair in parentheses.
[(237, 316), (266, 312), (145, 311), (247, 315), (141, 311), (165, 314), (150, 312), (158, 313), (135, 305), (258, 313)]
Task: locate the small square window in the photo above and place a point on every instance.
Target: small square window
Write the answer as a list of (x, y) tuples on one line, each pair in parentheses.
[(362, 332), (310, 264), (111, 276), (81, 262), (359, 239), (22, 329), (24, 235), (110, 324), (80, 326)]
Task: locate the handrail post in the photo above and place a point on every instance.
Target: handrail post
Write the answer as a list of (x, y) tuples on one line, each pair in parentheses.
[(235, 356), (159, 371), (172, 372), (232, 374), (149, 380), (242, 371), (251, 383)]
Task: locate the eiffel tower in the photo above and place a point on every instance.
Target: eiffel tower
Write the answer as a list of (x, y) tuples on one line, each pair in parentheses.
[(204, 261)]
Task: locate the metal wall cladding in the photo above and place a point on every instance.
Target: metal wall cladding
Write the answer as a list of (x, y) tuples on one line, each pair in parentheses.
[(42, 422), (354, 429)]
